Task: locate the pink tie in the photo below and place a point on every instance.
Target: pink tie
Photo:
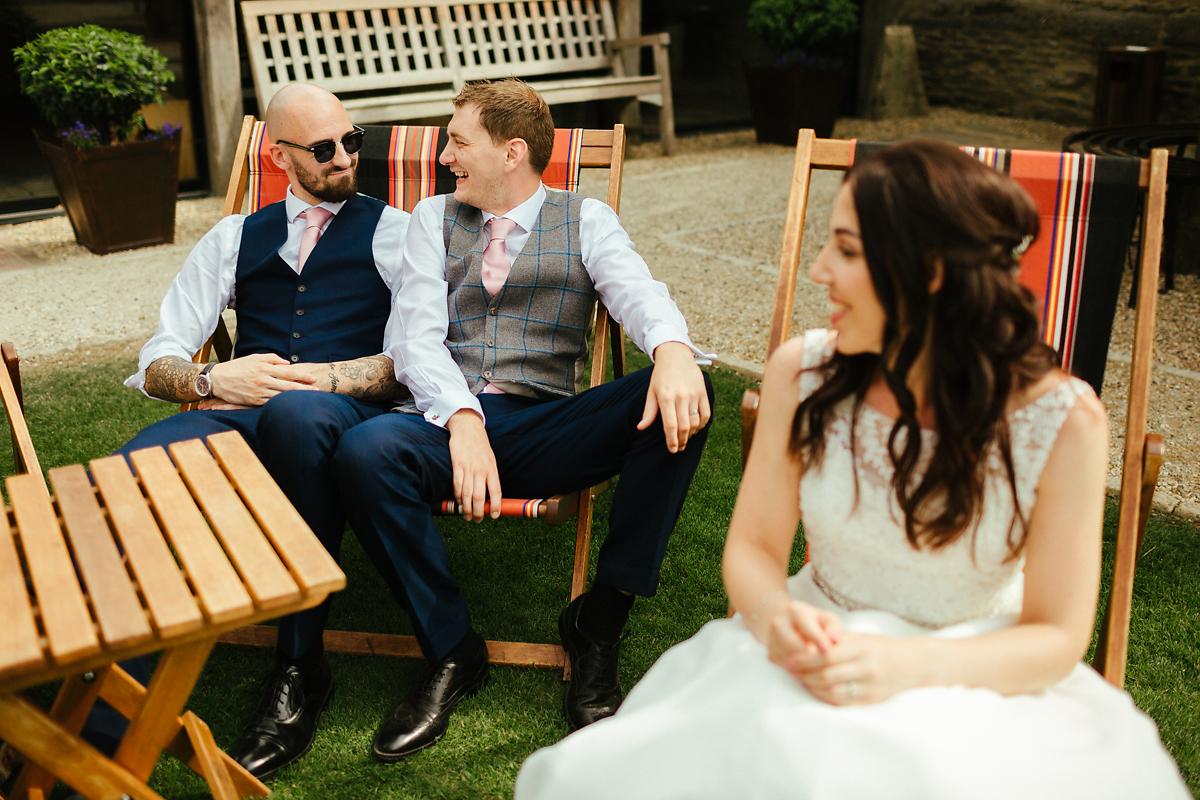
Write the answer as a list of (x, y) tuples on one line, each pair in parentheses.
[(495, 256), (314, 219)]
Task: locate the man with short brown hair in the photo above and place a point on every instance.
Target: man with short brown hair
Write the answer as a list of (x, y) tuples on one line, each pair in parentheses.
[(500, 280)]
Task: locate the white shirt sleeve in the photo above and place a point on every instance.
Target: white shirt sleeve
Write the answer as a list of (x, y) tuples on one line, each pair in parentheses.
[(194, 302), (639, 303), (388, 249), (422, 360)]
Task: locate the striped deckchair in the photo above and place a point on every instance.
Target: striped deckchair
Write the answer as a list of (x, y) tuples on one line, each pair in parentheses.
[(398, 164), (1088, 205)]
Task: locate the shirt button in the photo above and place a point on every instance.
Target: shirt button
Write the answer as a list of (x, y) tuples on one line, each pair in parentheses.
[(299, 312), (295, 358), (302, 288), (295, 334)]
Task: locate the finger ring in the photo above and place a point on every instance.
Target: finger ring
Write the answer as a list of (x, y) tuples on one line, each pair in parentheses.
[(695, 412), (851, 690)]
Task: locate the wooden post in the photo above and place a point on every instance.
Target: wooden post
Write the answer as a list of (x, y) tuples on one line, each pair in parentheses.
[(629, 25), (220, 77)]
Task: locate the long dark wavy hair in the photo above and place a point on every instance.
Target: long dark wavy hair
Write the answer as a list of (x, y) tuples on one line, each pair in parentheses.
[(924, 209)]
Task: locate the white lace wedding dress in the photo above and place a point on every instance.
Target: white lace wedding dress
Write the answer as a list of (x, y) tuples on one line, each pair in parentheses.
[(714, 719)]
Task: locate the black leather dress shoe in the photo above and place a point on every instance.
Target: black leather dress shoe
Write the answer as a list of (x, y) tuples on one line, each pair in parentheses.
[(593, 692), (285, 723), (423, 717)]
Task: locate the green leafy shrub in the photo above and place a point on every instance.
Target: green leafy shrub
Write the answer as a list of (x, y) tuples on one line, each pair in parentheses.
[(787, 25), (92, 75)]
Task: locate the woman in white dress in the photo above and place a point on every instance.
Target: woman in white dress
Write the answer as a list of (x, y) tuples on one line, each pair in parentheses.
[(951, 482)]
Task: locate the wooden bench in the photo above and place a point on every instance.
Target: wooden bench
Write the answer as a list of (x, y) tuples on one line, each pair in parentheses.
[(391, 60)]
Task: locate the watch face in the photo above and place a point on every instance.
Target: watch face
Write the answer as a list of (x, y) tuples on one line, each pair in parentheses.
[(203, 385)]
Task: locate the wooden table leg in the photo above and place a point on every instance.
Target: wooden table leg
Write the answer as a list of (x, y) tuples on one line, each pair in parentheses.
[(156, 722), (127, 696), (212, 769), (40, 739), (70, 710)]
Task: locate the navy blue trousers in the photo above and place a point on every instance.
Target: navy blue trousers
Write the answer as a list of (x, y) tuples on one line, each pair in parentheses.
[(393, 467), (295, 435)]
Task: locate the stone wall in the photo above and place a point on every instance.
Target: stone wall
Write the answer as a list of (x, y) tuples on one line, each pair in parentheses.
[(1038, 58)]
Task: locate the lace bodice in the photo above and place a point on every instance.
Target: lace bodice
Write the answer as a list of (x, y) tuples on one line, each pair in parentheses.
[(860, 555)]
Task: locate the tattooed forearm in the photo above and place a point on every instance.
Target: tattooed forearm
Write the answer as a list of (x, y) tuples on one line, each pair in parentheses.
[(372, 378), (172, 378)]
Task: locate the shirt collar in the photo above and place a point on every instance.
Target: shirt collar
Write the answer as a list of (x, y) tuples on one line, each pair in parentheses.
[(295, 206), (525, 214)]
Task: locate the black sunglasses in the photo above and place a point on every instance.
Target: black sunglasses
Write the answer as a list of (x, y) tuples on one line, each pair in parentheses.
[(324, 151)]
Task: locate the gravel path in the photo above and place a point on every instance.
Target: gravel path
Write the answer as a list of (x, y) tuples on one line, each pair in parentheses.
[(709, 222)]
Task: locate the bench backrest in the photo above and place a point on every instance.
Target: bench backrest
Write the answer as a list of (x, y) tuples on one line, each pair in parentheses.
[(375, 45)]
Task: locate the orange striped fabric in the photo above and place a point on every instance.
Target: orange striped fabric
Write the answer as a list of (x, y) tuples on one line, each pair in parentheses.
[(406, 170)]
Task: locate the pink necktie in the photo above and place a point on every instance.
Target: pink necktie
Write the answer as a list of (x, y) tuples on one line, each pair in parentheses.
[(314, 222), (495, 256)]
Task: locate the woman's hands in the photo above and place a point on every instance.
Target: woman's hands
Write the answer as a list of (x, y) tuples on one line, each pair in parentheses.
[(859, 669)]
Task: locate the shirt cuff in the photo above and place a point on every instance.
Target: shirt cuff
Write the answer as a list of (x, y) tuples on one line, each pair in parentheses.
[(446, 406), (667, 333)]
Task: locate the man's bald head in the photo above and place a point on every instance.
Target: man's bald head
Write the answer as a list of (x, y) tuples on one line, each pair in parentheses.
[(297, 107), (299, 116)]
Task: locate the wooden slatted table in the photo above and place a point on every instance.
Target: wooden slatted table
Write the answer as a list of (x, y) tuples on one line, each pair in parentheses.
[(164, 557)]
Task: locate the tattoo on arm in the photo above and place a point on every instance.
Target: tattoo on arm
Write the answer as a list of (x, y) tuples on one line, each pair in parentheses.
[(372, 378), (173, 379)]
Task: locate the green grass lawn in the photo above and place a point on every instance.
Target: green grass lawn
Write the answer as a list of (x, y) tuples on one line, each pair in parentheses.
[(515, 576)]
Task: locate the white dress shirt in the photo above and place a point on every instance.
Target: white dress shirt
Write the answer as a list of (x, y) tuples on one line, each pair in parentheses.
[(205, 287), (640, 304)]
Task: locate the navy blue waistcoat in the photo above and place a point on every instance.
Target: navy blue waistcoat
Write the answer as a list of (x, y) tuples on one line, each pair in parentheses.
[(335, 310)]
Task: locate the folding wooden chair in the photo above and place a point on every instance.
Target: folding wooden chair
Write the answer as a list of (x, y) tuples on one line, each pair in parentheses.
[(24, 457), (398, 164), (1087, 204)]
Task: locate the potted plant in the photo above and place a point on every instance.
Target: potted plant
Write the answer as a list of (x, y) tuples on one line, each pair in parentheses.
[(805, 80), (116, 177)]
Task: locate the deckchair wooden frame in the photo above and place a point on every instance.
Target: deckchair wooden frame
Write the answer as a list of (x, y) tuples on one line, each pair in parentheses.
[(601, 149), (24, 456), (1143, 453)]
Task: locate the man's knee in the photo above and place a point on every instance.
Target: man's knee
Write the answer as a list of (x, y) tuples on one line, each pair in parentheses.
[(300, 422)]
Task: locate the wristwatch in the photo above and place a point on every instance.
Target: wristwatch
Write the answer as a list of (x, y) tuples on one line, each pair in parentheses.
[(203, 383)]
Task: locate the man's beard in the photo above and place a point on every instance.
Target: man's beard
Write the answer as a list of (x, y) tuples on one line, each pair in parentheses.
[(321, 187)]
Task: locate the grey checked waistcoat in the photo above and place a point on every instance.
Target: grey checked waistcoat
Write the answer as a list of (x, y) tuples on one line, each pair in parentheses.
[(534, 332)]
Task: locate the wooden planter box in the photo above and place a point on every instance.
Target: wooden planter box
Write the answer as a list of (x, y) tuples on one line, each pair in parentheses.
[(784, 99), (117, 197)]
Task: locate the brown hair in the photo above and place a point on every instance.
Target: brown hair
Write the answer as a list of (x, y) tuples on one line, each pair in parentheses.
[(925, 207), (511, 109)]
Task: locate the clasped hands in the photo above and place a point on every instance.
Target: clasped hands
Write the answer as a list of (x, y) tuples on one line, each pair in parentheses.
[(253, 380), (837, 666), (676, 393)]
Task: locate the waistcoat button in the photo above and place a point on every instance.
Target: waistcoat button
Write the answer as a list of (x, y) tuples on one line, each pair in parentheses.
[(492, 311), (299, 312), (295, 334), (487, 373), (295, 358), (302, 288)]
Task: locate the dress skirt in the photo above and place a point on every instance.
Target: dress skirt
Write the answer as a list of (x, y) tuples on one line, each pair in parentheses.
[(713, 718)]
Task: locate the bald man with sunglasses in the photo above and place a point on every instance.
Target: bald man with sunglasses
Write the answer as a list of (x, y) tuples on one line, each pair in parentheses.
[(311, 278)]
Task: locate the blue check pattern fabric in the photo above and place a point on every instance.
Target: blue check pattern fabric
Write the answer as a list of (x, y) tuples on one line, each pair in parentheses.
[(534, 331)]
